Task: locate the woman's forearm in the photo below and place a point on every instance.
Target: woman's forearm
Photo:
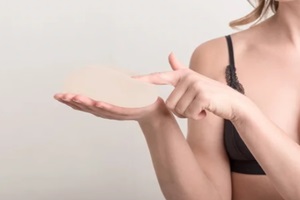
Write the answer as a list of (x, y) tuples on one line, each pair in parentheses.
[(177, 170), (278, 154)]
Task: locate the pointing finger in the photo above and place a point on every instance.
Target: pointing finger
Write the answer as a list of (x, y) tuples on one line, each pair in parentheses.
[(160, 78)]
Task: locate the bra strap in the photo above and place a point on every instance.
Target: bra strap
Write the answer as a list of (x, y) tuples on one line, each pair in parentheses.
[(231, 77), (230, 51)]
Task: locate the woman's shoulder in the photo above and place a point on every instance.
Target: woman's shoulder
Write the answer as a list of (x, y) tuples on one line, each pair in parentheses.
[(210, 58)]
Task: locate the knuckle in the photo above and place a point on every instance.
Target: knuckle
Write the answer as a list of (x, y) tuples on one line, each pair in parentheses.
[(169, 105), (211, 106), (201, 97), (177, 114), (180, 116), (196, 86), (193, 114), (188, 113), (178, 110), (186, 71), (69, 96), (75, 97), (188, 77)]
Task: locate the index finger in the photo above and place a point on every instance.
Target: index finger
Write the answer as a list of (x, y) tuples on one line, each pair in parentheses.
[(160, 78)]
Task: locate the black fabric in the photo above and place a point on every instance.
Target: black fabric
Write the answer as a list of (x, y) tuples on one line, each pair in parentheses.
[(241, 159), (231, 77)]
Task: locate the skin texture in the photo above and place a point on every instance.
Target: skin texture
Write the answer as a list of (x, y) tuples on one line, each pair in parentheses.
[(267, 117)]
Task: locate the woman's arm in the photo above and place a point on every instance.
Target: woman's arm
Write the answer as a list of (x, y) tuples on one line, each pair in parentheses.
[(278, 154), (192, 168), (179, 175)]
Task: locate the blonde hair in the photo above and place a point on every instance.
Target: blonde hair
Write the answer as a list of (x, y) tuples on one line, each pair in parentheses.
[(257, 14)]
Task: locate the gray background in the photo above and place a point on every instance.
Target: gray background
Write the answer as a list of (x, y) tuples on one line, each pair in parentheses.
[(47, 150)]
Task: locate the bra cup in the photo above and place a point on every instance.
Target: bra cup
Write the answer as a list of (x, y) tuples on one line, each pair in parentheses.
[(241, 159), (234, 145)]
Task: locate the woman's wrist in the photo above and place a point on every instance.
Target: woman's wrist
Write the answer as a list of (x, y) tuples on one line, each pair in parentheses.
[(244, 109), (156, 115)]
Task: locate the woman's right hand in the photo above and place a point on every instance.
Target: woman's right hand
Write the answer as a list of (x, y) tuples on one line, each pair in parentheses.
[(109, 111)]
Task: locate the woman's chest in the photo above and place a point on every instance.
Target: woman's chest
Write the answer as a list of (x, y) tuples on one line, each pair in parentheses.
[(276, 91)]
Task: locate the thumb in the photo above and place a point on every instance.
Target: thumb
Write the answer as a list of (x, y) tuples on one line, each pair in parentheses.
[(175, 64)]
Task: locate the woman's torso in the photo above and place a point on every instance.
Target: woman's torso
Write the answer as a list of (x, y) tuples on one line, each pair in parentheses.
[(269, 72)]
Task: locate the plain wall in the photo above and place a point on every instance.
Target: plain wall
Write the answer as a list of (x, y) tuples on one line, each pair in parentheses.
[(49, 151)]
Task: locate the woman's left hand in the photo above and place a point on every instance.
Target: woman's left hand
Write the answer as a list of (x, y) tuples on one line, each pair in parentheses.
[(194, 94)]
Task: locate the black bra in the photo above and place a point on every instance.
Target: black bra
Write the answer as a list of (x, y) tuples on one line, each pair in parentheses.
[(241, 159)]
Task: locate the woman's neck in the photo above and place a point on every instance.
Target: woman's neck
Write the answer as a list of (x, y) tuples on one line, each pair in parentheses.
[(286, 22)]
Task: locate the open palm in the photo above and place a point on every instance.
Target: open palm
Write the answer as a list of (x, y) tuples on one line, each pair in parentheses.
[(106, 110)]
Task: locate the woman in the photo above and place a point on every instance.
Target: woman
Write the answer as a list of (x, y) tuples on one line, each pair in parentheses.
[(243, 133)]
